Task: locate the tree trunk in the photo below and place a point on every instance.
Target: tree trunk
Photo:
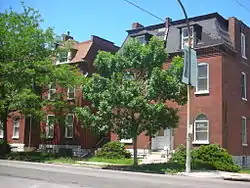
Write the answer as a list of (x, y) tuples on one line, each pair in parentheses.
[(5, 138), (135, 150)]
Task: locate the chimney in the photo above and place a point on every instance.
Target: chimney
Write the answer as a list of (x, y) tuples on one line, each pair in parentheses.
[(167, 25), (137, 25), (67, 36), (234, 31)]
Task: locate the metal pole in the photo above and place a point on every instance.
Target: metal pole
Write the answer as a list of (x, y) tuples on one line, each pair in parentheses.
[(188, 139)]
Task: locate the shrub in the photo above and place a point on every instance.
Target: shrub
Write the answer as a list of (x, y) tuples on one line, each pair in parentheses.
[(179, 156), (216, 156), (113, 150), (4, 148), (32, 156), (209, 157)]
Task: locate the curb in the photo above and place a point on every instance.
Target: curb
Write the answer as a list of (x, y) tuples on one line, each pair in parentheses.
[(236, 179)]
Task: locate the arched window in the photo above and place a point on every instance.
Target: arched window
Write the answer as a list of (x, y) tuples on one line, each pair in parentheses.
[(201, 129)]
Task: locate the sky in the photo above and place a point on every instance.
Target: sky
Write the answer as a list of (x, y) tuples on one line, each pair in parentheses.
[(110, 19)]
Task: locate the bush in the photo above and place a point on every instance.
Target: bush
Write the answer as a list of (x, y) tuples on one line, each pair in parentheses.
[(32, 156), (209, 157), (113, 150), (4, 148), (216, 156), (179, 156)]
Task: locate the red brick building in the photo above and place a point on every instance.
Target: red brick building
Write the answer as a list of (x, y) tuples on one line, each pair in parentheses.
[(72, 135), (220, 109)]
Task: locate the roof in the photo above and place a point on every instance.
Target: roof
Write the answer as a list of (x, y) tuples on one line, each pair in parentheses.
[(82, 51), (214, 31)]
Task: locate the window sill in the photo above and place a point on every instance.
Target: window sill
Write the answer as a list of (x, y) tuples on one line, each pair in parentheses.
[(1, 137), (126, 141), (201, 92), (68, 137), (15, 137), (70, 99), (244, 145), (200, 142), (244, 99)]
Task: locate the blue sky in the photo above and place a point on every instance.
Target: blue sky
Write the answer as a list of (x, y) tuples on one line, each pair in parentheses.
[(111, 18)]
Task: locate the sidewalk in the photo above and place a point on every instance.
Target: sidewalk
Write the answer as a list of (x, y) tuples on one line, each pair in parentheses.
[(219, 175)]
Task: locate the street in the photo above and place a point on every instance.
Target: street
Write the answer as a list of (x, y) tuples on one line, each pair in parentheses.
[(15, 174)]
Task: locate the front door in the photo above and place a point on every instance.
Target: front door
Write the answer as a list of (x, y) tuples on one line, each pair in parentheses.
[(162, 140)]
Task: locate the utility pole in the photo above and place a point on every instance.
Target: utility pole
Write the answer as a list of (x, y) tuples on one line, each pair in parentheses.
[(188, 139)]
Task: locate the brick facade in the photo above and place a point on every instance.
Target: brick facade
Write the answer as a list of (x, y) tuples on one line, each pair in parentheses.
[(220, 48)]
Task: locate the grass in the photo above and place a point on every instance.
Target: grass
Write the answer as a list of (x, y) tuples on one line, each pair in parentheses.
[(245, 171), (111, 161), (66, 160)]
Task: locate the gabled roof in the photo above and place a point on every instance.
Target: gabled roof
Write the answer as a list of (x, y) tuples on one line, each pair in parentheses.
[(82, 51)]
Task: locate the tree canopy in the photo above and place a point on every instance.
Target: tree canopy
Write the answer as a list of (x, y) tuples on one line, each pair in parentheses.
[(129, 91), (26, 65)]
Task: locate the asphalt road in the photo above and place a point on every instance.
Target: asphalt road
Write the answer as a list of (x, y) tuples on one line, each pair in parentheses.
[(15, 174)]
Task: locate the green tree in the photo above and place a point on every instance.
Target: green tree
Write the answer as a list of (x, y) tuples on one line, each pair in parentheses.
[(27, 68), (129, 93)]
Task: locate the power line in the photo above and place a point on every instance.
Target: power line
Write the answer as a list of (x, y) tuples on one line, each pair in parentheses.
[(137, 6), (242, 5)]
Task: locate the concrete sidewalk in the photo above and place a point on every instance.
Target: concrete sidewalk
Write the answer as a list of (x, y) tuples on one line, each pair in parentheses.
[(219, 175)]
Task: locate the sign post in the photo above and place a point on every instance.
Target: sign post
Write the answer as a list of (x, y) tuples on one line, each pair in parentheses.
[(189, 77)]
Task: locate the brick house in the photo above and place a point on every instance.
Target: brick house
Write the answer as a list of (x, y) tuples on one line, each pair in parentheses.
[(220, 109), (72, 135)]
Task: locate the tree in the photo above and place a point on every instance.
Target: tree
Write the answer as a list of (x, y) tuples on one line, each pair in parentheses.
[(26, 66), (128, 94)]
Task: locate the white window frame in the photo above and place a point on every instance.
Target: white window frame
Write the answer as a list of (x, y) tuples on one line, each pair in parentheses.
[(1, 129), (69, 125), (50, 127), (206, 91), (16, 126), (51, 92), (126, 141), (244, 98), (244, 130), (69, 55), (68, 93), (243, 45), (195, 141), (186, 37)]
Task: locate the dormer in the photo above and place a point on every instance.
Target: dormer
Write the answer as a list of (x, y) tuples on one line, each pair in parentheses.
[(143, 38), (196, 33)]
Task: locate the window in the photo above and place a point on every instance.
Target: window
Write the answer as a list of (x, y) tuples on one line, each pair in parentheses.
[(184, 37), (141, 39), (52, 91), (243, 86), (244, 130), (50, 126), (201, 130), (160, 132), (71, 93), (69, 126), (1, 129), (16, 125), (62, 57), (243, 45), (202, 79), (126, 140)]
